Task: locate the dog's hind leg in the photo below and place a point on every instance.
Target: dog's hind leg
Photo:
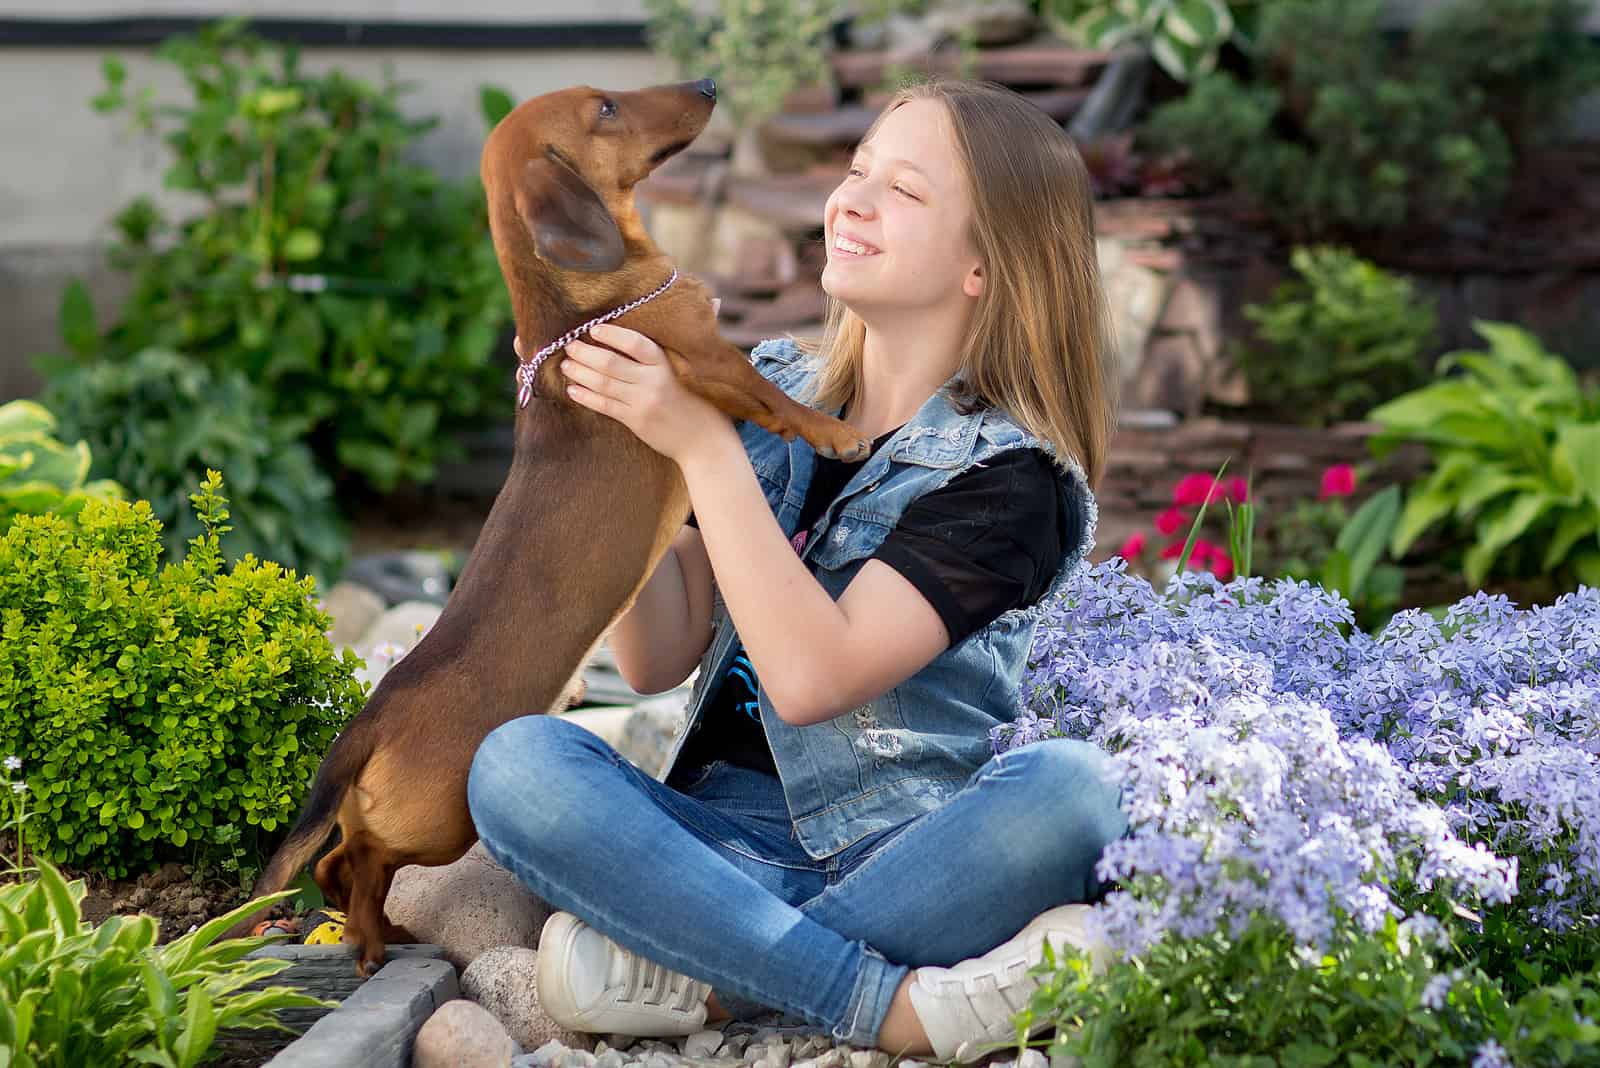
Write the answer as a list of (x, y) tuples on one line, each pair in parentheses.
[(332, 875), (364, 915)]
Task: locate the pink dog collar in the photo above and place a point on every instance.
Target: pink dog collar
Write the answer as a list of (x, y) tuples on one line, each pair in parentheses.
[(527, 371)]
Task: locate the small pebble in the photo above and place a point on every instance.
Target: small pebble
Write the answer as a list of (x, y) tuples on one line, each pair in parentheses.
[(610, 1059), (1032, 1058), (869, 1058), (735, 1045), (702, 1044), (830, 1058), (575, 1058)]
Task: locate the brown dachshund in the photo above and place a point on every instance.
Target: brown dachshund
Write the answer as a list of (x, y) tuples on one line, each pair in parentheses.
[(585, 514)]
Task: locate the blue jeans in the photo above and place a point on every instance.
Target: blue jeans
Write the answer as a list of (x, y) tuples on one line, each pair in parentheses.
[(711, 881)]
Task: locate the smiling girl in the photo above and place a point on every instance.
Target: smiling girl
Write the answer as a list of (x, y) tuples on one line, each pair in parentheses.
[(831, 836)]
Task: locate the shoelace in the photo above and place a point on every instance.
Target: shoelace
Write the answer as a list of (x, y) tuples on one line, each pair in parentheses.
[(657, 983)]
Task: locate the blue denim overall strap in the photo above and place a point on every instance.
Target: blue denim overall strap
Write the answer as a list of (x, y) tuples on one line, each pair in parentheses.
[(906, 751)]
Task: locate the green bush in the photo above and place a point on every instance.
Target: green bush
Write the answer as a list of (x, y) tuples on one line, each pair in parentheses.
[(1344, 336), (1342, 132), (1255, 1001), (357, 289), (157, 422), (756, 53), (1184, 36), (1515, 443), (39, 474), (75, 994), (150, 708)]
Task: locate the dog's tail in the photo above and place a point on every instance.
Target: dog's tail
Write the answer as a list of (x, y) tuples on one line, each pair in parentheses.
[(345, 759)]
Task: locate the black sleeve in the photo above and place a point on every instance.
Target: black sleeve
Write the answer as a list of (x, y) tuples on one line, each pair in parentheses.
[(987, 541)]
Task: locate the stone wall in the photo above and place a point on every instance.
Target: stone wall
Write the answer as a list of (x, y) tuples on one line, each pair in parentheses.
[(1284, 464)]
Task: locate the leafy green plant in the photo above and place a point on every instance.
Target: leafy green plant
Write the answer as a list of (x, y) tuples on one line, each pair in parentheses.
[(1342, 131), (1184, 36), (39, 474), (1254, 1000), (158, 421), (73, 994), (757, 51), (357, 289), (1515, 443), (1342, 337), (151, 707)]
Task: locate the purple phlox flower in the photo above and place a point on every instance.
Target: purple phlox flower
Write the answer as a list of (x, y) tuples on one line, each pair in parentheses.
[(1492, 1055)]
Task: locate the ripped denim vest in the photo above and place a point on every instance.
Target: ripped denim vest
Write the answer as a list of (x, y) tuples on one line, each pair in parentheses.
[(908, 750)]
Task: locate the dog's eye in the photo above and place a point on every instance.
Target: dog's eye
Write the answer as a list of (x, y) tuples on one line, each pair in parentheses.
[(608, 109)]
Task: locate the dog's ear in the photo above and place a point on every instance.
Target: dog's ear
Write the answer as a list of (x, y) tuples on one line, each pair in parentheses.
[(569, 222)]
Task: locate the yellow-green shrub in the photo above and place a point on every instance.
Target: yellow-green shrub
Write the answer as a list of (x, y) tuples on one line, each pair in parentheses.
[(150, 707)]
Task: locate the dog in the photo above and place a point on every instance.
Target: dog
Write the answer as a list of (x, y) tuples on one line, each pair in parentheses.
[(586, 512)]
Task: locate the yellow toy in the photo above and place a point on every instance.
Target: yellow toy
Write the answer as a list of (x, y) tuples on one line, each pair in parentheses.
[(324, 927)]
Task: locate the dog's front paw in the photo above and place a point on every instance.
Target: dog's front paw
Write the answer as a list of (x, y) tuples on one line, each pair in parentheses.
[(845, 449)]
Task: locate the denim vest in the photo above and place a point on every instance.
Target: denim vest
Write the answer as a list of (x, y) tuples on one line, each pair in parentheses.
[(906, 751)]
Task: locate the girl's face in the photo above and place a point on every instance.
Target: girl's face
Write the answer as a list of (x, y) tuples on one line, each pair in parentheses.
[(896, 227)]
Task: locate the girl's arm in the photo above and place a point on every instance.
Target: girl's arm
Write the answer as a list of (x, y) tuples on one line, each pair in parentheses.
[(659, 640), (817, 658)]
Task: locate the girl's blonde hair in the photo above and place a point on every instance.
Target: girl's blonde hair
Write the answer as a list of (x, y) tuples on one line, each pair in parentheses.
[(1040, 337)]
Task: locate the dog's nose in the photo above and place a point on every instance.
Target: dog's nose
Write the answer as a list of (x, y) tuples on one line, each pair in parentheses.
[(707, 87)]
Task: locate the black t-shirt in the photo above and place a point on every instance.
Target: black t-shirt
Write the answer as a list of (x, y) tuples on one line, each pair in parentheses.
[(987, 541)]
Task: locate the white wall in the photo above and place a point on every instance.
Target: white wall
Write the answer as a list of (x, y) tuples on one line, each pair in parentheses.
[(379, 10)]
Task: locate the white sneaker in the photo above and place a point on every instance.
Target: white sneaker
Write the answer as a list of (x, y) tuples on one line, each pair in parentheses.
[(589, 983), (967, 1009)]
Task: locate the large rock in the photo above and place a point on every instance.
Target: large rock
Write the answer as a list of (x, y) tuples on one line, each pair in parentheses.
[(649, 730), (354, 610), (463, 1035), (403, 625), (466, 908), (504, 981), (394, 635)]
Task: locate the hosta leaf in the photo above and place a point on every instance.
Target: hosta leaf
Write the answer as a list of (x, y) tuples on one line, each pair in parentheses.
[(21, 417), (1416, 412), (1573, 525), (1429, 501), (1587, 565), (1484, 484), (1176, 58), (1500, 527), (199, 1028), (1581, 445)]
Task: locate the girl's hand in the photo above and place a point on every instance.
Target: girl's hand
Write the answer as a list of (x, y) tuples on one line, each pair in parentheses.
[(628, 378)]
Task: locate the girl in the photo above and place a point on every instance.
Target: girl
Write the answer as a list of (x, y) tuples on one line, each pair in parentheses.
[(830, 835)]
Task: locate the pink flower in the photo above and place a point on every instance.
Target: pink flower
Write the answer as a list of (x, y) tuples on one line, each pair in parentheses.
[(1203, 551), (1238, 490), (1133, 546), (1198, 488), (1171, 521), (1338, 481), (1173, 550), (1222, 566)]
